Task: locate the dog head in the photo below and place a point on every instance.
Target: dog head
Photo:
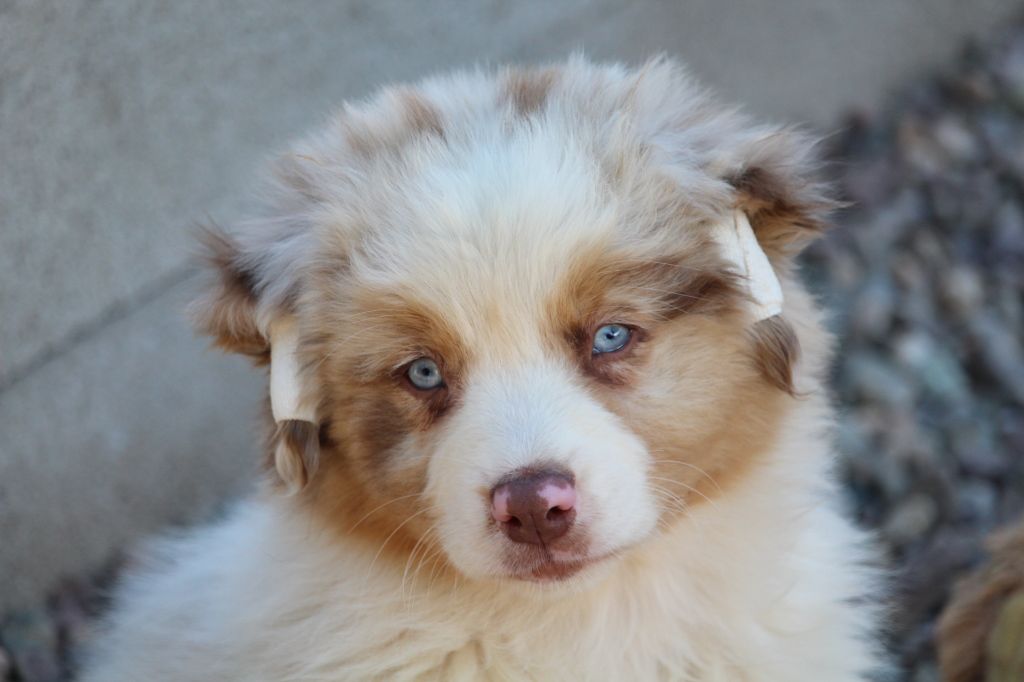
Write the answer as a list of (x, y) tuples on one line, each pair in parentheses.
[(512, 324)]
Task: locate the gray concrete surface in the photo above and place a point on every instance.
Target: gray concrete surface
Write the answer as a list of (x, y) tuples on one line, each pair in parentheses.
[(122, 122), (128, 430)]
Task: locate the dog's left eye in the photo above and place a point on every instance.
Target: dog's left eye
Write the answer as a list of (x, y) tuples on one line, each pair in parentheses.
[(424, 374), (610, 338)]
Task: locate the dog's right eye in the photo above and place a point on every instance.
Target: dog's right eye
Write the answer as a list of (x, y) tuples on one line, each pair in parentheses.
[(424, 374)]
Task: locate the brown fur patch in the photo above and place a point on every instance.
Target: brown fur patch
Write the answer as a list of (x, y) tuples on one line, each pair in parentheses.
[(363, 491), (662, 287), (421, 117), (298, 173), (527, 89), (361, 141), (227, 310), (776, 349), (411, 117), (640, 293), (379, 425), (784, 217), (706, 420), (376, 333), (373, 473)]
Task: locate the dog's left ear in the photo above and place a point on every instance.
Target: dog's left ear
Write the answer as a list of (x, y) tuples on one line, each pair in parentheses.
[(777, 183), (781, 205)]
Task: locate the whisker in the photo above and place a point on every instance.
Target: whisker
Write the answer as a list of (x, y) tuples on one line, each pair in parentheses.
[(692, 466), (409, 561), (377, 509), (688, 487), (672, 500), (369, 571)]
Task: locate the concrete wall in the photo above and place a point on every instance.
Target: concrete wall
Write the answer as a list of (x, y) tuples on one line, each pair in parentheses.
[(124, 121)]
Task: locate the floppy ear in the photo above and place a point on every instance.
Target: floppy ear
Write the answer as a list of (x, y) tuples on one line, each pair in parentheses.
[(227, 308), (777, 188), (777, 183), (232, 310)]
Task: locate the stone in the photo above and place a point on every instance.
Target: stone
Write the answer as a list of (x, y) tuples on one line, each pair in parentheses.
[(935, 365), (876, 380), (871, 314), (1008, 233), (955, 139), (1001, 352), (31, 639), (976, 503), (1011, 73), (963, 290), (982, 462), (926, 672), (911, 519)]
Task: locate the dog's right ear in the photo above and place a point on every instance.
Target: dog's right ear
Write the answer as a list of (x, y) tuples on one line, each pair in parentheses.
[(231, 309), (250, 304), (227, 308)]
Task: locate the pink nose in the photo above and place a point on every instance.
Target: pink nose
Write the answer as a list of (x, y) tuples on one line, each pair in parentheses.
[(536, 507)]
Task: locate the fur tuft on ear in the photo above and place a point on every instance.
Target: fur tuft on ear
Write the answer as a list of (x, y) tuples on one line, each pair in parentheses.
[(778, 186), (296, 450), (775, 351), (227, 309)]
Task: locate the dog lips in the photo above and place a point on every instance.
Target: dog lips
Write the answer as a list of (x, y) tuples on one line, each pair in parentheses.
[(739, 245), (285, 387)]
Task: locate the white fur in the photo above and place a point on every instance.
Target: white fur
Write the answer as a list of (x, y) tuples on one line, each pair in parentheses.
[(754, 587), (757, 584), (529, 417)]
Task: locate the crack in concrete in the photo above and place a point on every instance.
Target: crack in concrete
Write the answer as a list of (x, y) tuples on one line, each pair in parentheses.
[(119, 310)]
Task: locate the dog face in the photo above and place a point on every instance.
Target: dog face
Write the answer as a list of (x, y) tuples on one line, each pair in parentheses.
[(526, 351)]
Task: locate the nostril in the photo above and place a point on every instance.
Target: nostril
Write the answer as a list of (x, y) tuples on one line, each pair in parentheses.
[(556, 513)]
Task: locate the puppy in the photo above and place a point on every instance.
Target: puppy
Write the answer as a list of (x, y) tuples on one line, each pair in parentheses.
[(547, 402)]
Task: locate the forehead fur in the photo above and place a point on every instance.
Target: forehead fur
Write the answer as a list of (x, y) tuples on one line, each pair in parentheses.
[(488, 167)]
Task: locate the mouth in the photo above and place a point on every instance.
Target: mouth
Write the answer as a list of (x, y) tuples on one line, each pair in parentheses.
[(552, 571), (556, 570)]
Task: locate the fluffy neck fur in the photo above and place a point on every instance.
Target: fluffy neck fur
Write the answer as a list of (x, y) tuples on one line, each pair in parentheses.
[(754, 586)]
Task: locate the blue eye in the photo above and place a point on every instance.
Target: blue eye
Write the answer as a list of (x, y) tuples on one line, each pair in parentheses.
[(424, 374), (611, 338)]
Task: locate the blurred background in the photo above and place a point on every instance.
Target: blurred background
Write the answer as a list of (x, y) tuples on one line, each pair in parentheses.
[(125, 122)]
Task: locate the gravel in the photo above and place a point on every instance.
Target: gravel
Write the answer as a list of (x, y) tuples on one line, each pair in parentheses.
[(924, 275)]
